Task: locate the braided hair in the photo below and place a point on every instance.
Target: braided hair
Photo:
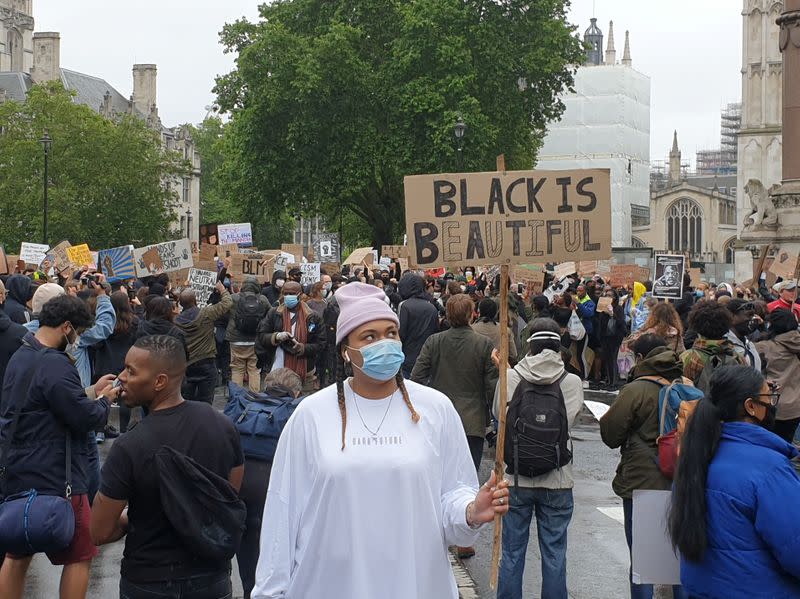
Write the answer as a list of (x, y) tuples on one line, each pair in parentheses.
[(344, 370)]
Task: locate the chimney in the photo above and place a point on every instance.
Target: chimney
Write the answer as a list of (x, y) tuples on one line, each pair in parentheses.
[(144, 87), (611, 51), (626, 57), (46, 57)]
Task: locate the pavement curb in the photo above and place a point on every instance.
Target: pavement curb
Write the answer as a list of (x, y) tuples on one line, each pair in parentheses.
[(467, 589)]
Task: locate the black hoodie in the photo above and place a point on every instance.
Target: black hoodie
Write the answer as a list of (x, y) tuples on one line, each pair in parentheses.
[(271, 292), (19, 291), (11, 335), (418, 318)]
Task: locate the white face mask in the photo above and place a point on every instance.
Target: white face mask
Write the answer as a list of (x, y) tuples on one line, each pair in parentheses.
[(279, 283)]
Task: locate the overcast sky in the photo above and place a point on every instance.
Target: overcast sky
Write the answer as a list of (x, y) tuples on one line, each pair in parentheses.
[(691, 50)]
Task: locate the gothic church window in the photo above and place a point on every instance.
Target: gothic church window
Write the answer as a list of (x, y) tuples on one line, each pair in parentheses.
[(728, 252), (685, 227), (14, 48), (727, 213)]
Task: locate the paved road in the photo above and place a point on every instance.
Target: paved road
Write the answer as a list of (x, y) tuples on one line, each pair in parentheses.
[(597, 560)]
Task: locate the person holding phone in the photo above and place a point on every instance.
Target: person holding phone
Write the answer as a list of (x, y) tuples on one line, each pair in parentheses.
[(291, 336)]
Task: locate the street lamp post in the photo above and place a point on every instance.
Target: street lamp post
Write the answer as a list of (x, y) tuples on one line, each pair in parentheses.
[(189, 223), (459, 130), (46, 142)]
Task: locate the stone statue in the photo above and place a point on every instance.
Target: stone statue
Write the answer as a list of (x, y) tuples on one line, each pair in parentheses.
[(763, 211)]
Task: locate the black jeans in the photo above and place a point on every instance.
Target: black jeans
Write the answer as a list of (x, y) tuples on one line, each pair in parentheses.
[(785, 429), (223, 361), (200, 381), (476, 450), (207, 586), (254, 495)]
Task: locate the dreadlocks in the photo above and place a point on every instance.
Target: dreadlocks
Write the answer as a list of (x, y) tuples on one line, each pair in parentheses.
[(344, 370)]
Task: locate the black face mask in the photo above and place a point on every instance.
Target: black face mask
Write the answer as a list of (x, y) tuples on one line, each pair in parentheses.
[(769, 420), (745, 328)]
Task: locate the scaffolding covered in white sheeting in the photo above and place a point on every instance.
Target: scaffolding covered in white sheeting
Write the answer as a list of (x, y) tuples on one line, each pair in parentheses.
[(606, 124)]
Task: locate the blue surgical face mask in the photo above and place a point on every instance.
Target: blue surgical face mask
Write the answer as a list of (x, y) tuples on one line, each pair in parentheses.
[(699, 293), (291, 301), (382, 359)]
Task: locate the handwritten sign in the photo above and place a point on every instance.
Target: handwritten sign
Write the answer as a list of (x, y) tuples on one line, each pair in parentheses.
[(564, 269), (117, 263), (33, 253), (603, 304), (326, 248), (163, 257), (360, 255), (627, 274), (239, 234), (532, 276), (309, 273), (784, 265), (295, 249), (511, 218), (57, 258), (207, 251), (203, 283), (395, 252), (80, 255), (261, 267)]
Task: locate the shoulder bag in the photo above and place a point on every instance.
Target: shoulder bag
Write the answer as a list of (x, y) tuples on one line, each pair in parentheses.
[(29, 522)]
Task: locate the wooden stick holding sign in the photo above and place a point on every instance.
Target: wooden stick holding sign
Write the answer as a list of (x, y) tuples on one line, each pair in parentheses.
[(499, 462)]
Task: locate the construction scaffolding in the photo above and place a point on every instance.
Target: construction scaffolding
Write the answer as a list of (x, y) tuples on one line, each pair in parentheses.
[(722, 160)]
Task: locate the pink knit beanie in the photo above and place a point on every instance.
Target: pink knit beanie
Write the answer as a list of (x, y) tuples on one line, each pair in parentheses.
[(359, 304)]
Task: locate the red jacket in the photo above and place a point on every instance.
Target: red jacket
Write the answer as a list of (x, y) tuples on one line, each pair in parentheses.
[(780, 304)]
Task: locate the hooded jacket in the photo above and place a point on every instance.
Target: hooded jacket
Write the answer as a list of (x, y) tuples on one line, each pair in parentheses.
[(418, 318), (271, 291), (250, 287), (631, 424), (11, 335), (273, 323), (19, 291), (752, 528), (782, 355), (543, 369), (159, 326), (197, 325)]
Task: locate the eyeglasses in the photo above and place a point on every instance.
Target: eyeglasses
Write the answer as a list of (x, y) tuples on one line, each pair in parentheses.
[(774, 395), (746, 307)]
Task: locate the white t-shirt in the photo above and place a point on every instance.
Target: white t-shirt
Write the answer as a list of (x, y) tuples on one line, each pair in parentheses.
[(376, 519)]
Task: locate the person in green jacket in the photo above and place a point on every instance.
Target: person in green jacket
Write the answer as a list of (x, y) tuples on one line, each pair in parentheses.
[(632, 425)]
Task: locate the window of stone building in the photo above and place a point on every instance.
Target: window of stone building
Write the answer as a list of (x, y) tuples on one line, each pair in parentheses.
[(685, 227), (727, 213), (186, 188), (727, 251), (637, 243), (14, 48)]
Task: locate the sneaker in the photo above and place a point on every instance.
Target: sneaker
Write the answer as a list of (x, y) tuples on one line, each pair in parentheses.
[(111, 432), (101, 438), (585, 384)]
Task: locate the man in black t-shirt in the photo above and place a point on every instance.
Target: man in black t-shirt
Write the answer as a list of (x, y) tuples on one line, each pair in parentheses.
[(155, 559)]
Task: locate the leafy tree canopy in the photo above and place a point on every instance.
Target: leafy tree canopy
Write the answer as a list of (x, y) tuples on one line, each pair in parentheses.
[(334, 102), (109, 181)]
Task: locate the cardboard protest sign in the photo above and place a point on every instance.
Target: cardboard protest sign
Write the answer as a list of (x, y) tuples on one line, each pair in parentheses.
[(295, 249), (564, 269), (209, 234), (394, 251), (627, 274), (239, 234), (203, 283), (587, 268), (309, 273), (80, 255), (11, 263), (207, 252), (3, 261), (58, 258), (283, 260), (697, 276), (243, 265), (508, 218), (668, 283), (532, 276), (163, 257), (603, 304), (326, 247), (33, 253), (360, 255), (403, 262), (227, 250), (784, 265), (117, 263)]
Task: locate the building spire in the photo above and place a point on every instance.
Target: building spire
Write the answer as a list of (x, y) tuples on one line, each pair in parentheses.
[(611, 52), (675, 149), (626, 56), (675, 161)]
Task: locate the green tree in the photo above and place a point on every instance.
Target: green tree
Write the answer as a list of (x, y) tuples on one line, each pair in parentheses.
[(334, 102), (110, 181), (226, 196)]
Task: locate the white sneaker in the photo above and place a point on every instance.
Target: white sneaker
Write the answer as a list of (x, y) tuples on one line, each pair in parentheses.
[(585, 384)]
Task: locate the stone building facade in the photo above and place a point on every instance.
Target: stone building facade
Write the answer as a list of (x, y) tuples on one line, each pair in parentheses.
[(760, 139), (28, 58)]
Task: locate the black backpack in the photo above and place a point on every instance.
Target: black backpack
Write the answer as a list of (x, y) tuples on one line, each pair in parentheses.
[(537, 430), (203, 508), (249, 312), (714, 361)]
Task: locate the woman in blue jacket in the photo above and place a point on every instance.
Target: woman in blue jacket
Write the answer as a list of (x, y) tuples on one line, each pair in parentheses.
[(733, 514)]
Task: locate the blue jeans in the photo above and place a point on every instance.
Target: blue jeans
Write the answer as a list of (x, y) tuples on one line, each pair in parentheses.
[(641, 591), (207, 586), (553, 510)]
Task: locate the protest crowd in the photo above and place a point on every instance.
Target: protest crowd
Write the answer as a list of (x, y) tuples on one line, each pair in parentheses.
[(359, 400)]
